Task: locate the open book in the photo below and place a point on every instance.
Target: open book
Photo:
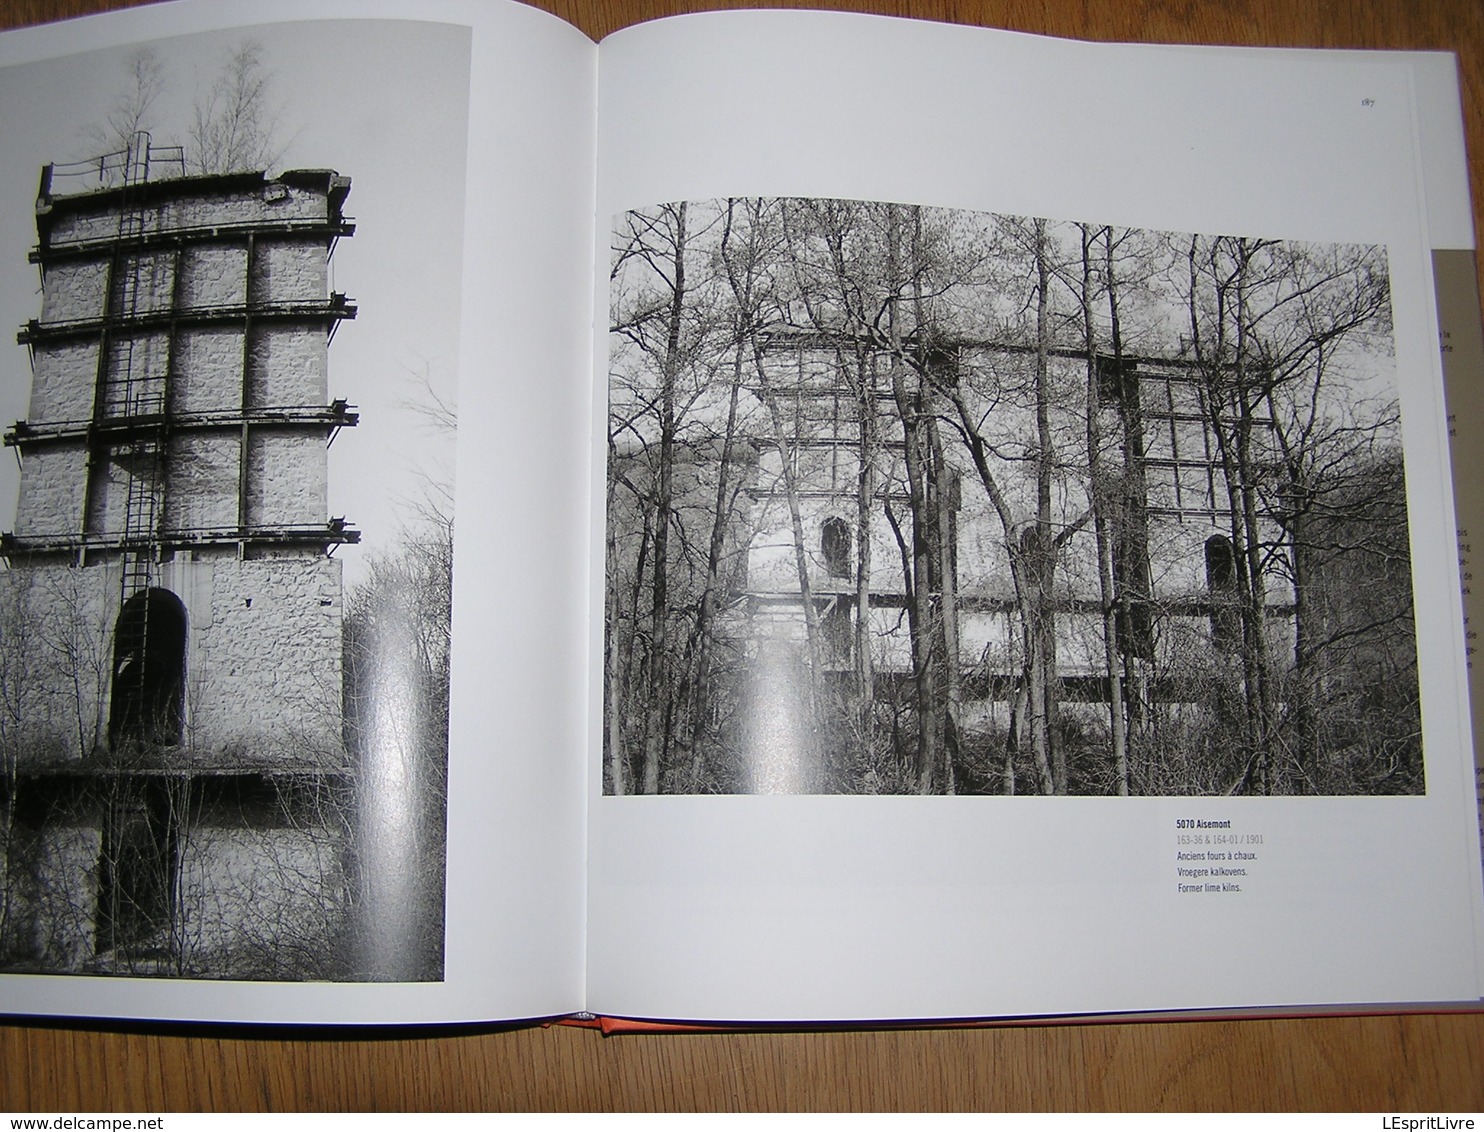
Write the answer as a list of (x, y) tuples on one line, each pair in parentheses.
[(777, 517)]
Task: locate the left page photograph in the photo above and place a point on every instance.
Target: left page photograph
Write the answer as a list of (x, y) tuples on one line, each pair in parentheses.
[(236, 261)]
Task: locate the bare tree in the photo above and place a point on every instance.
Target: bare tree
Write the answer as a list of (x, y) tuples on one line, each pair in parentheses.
[(234, 123), (398, 637), (672, 491), (131, 117), (1162, 451)]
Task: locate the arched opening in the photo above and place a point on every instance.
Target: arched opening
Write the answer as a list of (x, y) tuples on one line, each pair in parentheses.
[(1221, 586), (835, 546), (149, 647)]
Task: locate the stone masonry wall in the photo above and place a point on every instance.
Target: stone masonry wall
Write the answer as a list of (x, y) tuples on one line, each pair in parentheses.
[(75, 289), (64, 377), (287, 366), (254, 897), (287, 478), (290, 272), (215, 275), (137, 364), (263, 659), (56, 623), (144, 282), (52, 914), (201, 481), (208, 368), (264, 667), (51, 492), (257, 894), (273, 202)]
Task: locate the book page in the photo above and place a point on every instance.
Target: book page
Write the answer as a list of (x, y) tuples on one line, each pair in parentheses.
[(311, 301), (1015, 600)]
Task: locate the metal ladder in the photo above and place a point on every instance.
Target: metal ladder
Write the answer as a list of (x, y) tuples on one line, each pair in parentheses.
[(137, 400)]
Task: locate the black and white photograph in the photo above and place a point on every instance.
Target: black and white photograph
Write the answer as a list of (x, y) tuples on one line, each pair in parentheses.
[(915, 500), (232, 262)]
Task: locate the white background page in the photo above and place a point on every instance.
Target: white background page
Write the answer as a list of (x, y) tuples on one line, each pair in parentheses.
[(765, 907)]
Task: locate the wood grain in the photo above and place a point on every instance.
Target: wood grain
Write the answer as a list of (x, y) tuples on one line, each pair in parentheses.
[(1396, 1063), (1424, 1062)]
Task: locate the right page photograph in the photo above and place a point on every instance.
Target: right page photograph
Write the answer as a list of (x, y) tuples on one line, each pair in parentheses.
[(913, 500)]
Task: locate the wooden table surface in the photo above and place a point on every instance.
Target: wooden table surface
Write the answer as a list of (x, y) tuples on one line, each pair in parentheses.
[(1398, 1063)]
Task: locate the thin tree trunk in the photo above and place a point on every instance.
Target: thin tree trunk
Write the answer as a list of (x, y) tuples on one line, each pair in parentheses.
[(865, 494), (1213, 363), (1129, 561), (1306, 676), (1098, 493), (698, 678), (860, 332), (659, 718), (909, 410), (1267, 718), (1042, 557), (612, 701), (947, 569), (791, 489), (1012, 735), (979, 456), (936, 363)]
